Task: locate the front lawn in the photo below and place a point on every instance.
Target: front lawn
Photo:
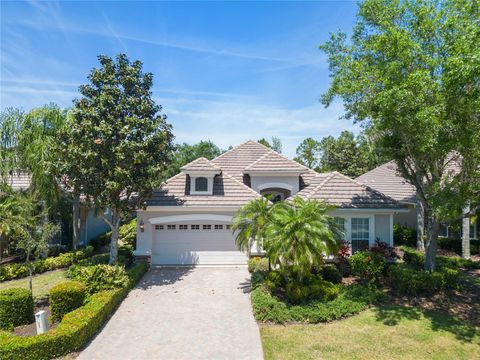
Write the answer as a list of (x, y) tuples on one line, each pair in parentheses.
[(387, 332), (41, 283)]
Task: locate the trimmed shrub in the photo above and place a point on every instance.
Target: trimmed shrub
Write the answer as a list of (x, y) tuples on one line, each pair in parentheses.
[(16, 308), (66, 297), (257, 264), (351, 300), (332, 274), (99, 277), (17, 271), (403, 235), (416, 259), (275, 279), (74, 331), (367, 265), (409, 281)]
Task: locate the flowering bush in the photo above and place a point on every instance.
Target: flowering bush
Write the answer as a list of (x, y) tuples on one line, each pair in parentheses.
[(367, 265), (387, 251)]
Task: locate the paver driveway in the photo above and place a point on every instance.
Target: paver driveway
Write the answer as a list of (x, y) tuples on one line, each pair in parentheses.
[(182, 313)]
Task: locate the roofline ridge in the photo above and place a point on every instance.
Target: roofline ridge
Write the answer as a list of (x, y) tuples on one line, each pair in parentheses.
[(239, 182), (260, 158), (233, 148), (368, 187), (315, 188), (201, 158)]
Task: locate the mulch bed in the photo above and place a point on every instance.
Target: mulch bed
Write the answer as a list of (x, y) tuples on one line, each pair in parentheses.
[(31, 329)]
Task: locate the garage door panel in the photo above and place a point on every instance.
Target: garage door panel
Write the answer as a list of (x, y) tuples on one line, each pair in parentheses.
[(207, 247)]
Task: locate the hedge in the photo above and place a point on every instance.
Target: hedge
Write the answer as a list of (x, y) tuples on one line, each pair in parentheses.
[(270, 308), (416, 259), (76, 328), (126, 235), (16, 271), (66, 297), (16, 308)]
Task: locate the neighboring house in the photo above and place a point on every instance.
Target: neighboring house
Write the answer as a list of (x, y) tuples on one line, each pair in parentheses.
[(91, 224), (386, 179), (187, 220)]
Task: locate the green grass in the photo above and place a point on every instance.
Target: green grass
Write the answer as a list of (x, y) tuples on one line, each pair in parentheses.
[(41, 283), (386, 332)]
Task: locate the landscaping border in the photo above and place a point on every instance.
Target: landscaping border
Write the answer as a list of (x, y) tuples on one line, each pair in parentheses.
[(76, 328)]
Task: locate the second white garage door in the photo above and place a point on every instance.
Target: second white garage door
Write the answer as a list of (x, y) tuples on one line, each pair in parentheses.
[(190, 244)]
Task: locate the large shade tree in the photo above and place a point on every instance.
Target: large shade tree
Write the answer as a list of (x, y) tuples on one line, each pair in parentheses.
[(411, 72), (125, 141)]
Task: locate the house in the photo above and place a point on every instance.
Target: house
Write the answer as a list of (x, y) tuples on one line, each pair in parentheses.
[(386, 179), (91, 224), (187, 221)]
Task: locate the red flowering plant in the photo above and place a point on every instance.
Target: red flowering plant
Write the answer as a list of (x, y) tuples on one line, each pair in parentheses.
[(344, 252), (367, 265), (388, 252)]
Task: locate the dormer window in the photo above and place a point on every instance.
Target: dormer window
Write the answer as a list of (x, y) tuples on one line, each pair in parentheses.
[(201, 173), (201, 184)]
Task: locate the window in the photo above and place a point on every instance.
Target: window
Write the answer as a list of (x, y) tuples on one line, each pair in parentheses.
[(183, 227), (171, 227), (218, 227), (207, 227), (158, 227), (443, 230), (201, 184), (360, 233), (228, 227), (195, 227)]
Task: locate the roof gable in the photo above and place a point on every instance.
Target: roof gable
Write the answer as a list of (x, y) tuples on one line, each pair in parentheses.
[(275, 162), (339, 190), (200, 164)]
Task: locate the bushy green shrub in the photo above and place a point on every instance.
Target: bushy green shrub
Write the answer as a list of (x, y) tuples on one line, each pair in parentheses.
[(275, 279), (74, 331), (17, 271), (99, 277), (66, 297), (316, 289), (351, 300), (416, 259), (414, 282), (455, 244), (127, 235), (331, 273), (257, 264), (403, 235), (16, 308), (367, 265)]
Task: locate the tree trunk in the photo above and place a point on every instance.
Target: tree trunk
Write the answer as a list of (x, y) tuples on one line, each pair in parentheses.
[(115, 226), (76, 219), (420, 227), (30, 277), (433, 227), (466, 233)]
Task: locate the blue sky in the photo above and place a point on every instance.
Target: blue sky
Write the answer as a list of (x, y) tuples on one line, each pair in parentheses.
[(225, 71)]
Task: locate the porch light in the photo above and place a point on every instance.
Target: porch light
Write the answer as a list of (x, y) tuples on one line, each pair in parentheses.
[(142, 226)]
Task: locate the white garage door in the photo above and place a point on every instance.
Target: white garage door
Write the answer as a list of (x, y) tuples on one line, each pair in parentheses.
[(188, 244)]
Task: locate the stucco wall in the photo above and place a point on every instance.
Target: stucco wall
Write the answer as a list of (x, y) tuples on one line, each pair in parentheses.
[(291, 182), (407, 218), (94, 226), (382, 228)]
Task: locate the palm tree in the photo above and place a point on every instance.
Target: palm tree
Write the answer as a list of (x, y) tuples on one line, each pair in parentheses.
[(11, 219), (301, 233), (251, 222)]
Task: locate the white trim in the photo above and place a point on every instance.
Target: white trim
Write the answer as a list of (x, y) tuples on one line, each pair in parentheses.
[(190, 217), (391, 229), (190, 208), (201, 173), (275, 173), (275, 185), (209, 190)]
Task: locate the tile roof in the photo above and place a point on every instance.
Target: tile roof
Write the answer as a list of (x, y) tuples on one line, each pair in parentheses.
[(273, 161), (227, 191), (343, 192), (232, 186), (201, 164), (386, 179)]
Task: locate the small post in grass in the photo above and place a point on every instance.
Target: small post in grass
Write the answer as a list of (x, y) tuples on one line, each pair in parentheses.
[(41, 321)]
